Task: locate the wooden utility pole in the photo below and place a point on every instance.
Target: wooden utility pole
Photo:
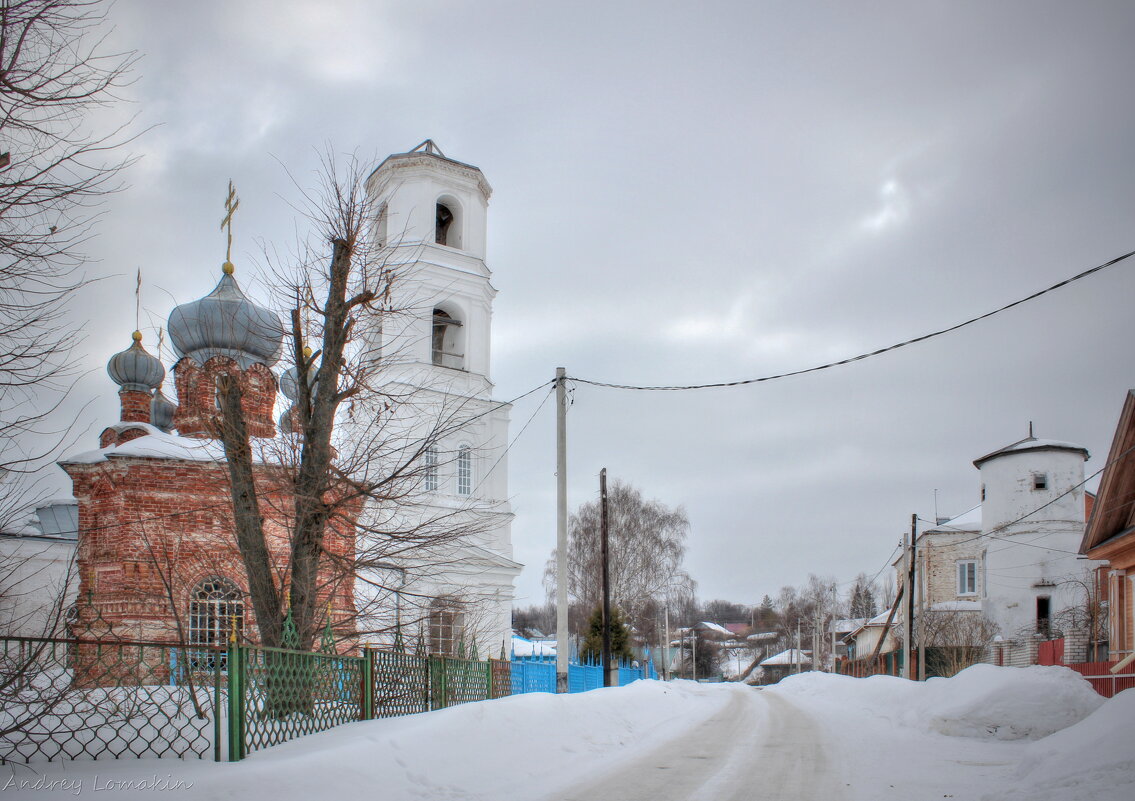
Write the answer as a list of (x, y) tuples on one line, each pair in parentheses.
[(908, 607), (608, 669), (562, 645), (911, 673)]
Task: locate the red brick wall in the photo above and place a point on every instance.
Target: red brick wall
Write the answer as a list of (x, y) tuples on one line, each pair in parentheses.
[(151, 529), (197, 396)]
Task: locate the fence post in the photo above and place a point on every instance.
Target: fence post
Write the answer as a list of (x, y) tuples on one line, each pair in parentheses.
[(366, 695), (236, 703), (216, 702)]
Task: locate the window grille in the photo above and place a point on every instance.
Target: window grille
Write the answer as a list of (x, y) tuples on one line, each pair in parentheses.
[(216, 610), (464, 471), (431, 470)]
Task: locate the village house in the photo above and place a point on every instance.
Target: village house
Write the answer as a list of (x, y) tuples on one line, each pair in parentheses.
[(1110, 536)]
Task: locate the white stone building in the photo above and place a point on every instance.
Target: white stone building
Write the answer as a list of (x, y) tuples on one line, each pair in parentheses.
[(431, 219), (1013, 558)]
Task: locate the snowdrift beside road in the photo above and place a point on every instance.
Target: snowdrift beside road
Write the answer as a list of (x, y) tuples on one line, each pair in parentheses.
[(982, 701)]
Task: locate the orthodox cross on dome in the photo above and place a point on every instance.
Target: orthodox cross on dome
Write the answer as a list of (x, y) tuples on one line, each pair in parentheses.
[(232, 203)]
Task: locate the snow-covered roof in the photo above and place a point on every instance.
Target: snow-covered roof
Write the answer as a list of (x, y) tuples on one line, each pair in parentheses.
[(155, 444), (846, 626), (967, 521), (522, 646), (790, 657), (706, 625), (1031, 444)]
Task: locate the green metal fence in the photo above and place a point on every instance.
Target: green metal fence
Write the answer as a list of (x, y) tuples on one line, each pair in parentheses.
[(278, 695), (90, 699), (85, 699)]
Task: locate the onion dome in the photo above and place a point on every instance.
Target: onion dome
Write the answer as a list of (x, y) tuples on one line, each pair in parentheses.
[(226, 323), (135, 369), (290, 379), (161, 411)]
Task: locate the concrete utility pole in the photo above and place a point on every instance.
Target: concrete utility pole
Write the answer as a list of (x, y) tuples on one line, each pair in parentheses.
[(610, 672), (561, 533), (919, 621)]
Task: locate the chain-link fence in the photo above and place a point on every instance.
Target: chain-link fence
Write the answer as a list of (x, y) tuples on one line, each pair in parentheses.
[(88, 699)]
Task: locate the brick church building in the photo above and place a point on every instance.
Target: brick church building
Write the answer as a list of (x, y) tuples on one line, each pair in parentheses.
[(157, 559)]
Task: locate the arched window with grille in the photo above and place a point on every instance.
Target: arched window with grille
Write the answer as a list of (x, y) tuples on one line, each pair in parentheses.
[(464, 470), (447, 625), (216, 610)]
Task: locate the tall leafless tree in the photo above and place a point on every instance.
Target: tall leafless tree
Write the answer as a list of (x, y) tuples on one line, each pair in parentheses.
[(58, 159), (647, 545), (362, 446)]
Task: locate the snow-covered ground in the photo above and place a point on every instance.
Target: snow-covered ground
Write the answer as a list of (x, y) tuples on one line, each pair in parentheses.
[(988, 734)]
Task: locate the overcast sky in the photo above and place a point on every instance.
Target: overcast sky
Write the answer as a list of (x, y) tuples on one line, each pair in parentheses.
[(688, 193)]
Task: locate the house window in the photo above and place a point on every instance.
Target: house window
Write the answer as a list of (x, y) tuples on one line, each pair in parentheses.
[(446, 340), (216, 612), (431, 470), (967, 577), (1040, 481), (447, 623), (464, 470)]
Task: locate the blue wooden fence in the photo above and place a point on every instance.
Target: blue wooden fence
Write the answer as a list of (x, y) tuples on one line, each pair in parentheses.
[(536, 676)]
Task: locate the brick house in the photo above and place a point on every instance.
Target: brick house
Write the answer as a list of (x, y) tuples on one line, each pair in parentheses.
[(1110, 536)]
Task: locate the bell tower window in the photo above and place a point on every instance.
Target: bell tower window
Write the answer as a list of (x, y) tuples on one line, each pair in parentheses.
[(444, 223), (445, 344)]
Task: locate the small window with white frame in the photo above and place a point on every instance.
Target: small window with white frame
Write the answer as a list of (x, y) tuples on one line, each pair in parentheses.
[(464, 470), (1040, 481), (967, 577)]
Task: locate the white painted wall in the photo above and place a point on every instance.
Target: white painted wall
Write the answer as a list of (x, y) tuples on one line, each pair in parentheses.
[(1028, 553), (454, 278)]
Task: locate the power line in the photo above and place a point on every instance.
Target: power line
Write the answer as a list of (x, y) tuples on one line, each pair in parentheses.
[(862, 356)]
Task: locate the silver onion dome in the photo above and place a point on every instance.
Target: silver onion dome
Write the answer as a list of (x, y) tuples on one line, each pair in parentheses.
[(135, 369), (226, 323), (161, 411)]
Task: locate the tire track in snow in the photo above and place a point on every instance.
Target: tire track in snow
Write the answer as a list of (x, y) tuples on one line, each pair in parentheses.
[(760, 746)]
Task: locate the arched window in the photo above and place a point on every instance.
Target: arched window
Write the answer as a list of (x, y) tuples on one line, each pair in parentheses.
[(431, 470), (446, 340), (216, 610), (447, 624), (447, 222), (443, 223), (381, 226), (464, 470)]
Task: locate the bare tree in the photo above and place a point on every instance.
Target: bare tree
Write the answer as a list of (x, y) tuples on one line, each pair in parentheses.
[(647, 542), (954, 638), (56, 164)]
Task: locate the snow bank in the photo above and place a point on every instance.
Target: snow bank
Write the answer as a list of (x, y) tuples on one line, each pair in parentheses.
[(512, 749), (1089, 760), (982, 701), (1005, 703)]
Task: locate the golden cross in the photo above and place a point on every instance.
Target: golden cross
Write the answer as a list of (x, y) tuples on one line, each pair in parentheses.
[(232, 203)]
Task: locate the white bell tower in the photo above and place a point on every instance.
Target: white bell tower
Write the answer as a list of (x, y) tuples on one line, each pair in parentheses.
[(430, 221)]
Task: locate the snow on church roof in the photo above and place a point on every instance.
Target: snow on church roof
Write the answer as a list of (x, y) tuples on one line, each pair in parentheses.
[(156, 444)]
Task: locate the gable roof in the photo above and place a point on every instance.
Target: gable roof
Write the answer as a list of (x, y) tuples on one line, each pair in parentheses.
[(1113, 515)]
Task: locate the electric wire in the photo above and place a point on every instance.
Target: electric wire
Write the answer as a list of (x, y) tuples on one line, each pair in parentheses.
[(861, 356)]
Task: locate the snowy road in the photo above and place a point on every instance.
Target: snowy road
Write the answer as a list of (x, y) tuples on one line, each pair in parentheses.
[(760, 746), (988, 734)]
